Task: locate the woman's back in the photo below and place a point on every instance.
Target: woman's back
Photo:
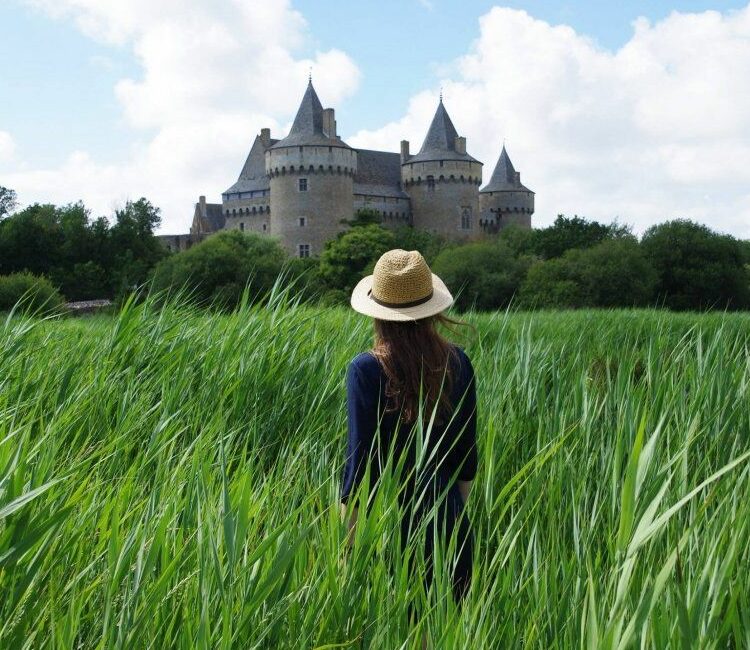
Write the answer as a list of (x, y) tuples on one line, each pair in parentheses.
[(449, 442)]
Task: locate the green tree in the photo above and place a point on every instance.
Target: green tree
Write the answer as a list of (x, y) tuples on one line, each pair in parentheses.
[(31, 240), (363, 217), (346, 259), (614, 273), (483, 275), (216, 271), (697, 268), (133, 246), (568, 233), (8, 201), (410, 239)]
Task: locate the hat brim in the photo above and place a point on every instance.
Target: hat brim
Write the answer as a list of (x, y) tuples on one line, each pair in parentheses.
[(362, 302)]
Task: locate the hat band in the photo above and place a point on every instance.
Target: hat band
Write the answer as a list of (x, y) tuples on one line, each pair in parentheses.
[(413, 303)]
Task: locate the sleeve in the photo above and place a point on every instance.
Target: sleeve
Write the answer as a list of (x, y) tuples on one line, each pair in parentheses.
[(465, 449), (361, 406)]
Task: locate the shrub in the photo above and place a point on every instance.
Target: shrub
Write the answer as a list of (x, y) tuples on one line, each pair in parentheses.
[(614, 273), (33, 292), (482, 275), (216, 271), (347, 258), (697, 268)]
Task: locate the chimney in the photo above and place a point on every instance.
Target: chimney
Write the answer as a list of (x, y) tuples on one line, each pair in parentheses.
[(404, 151), (460, 144), (265, 137), (329, 123), (202, 203)]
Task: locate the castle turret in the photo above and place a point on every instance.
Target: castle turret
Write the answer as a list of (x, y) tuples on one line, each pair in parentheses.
[(443, 180), (311, 172), (504, 201)]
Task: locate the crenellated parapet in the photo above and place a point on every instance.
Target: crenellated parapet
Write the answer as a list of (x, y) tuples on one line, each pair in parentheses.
[(311, 159)]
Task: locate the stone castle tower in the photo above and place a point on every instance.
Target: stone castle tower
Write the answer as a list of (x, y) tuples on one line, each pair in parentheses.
[(300, 189)]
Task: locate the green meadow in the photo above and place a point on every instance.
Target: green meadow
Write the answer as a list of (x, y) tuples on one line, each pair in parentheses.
[(169, 479)]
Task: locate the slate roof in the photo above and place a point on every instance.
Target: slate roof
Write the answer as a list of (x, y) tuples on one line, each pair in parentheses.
[(504, 176), (253, 175), (440, 143), (307, 128), (378, 174)]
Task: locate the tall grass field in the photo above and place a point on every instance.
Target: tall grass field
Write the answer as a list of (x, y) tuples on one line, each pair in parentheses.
[(169, 478)]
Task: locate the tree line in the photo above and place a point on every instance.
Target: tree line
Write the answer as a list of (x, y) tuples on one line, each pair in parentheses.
[(574, 263)]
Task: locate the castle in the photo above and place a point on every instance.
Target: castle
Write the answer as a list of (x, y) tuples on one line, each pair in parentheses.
[(300, 188)]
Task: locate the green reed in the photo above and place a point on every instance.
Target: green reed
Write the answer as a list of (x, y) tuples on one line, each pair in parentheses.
[(169, 478)]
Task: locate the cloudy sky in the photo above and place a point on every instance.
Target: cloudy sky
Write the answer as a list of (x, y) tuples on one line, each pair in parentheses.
[(638, 112)]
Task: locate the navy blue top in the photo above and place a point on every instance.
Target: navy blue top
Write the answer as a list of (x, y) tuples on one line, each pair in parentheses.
[(450, 448)]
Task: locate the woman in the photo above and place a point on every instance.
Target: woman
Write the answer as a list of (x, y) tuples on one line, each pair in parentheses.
[(412, 375)]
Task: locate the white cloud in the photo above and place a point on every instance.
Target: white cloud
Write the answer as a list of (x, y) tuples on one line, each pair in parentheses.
[(659, 129), (7, 147), (213, 74)]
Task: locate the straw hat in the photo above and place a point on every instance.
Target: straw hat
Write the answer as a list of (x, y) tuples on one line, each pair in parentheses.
[(402, 288)]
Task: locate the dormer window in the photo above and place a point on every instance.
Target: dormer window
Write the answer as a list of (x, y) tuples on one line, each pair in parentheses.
[(302, 184)]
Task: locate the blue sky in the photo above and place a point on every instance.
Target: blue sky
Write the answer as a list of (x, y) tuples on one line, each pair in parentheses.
[(58, 91)]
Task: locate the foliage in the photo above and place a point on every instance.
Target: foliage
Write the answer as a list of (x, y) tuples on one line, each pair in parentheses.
[(32, 293), (217, 270), (697, 268), (411, 239), (347, 258), (86, 258), (8, 201), (363, 217), (483, 275), (169, 478), (614, 273), (569, 233)]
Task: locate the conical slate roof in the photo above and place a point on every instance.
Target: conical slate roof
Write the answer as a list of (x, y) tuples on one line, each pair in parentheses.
[(504, 176), (307, 128), (440, 143)]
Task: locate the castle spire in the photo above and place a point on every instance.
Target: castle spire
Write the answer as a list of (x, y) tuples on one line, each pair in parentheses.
[(309, 123), (440, 142), (505, 176)]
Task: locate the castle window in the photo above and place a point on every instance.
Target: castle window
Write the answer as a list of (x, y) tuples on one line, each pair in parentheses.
[(242, 226), (302, 222), (265, 227), (234, 212), (466, 217), (303, 250), (302, 184), (441, 163), (430, 183)]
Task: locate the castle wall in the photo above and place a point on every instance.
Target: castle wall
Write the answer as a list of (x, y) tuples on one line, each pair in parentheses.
[(449, 203), (249, 214), (394, 211), (326, 200), (502, 209)]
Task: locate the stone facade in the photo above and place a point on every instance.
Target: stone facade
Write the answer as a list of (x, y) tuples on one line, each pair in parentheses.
[(300, 189)]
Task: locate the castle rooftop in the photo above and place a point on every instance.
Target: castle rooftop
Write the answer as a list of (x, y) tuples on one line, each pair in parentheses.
[(308, 127), (505, 177), (440, 142)]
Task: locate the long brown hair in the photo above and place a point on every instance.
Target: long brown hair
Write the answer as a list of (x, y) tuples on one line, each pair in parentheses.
[(416, 360)]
